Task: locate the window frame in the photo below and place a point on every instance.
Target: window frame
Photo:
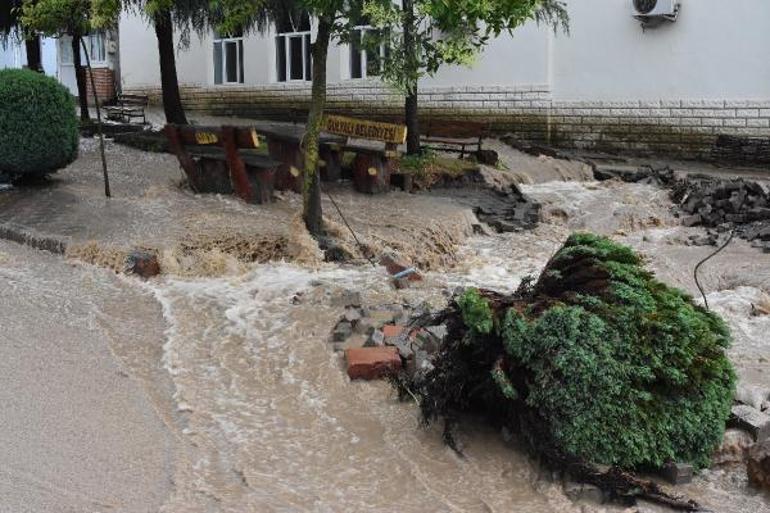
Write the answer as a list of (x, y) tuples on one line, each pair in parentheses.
[(364, 55), (97, 36), (64, 50), (307, 59), (223, 41)]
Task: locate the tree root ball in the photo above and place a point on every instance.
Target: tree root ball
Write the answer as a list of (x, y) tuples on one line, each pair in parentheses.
[(596, 361)]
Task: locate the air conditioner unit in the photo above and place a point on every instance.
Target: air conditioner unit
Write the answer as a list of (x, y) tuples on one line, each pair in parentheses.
[(656, 10)]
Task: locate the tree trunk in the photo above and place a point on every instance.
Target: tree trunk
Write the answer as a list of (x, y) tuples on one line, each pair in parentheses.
[(412, 124), (34, 58), (172, 102), (98, 121), (80, 78), (412, 69), (311, 188)]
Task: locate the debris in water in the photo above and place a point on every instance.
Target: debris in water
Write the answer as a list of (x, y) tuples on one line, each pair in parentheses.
[(143, 263), (372, 362), (557, 359), (751, 420)]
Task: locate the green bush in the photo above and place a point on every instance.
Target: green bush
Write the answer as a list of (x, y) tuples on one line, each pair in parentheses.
[(598, 359), (38, 124)]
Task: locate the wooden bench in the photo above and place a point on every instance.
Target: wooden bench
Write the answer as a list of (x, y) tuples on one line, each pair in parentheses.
[(372, 165), (463, 137), (284, 144), (224, 160), (129, 106)]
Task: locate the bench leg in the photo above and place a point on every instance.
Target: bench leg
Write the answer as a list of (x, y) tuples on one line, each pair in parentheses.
[(371, 174), (289, 176), (332, 170), (238, 174)]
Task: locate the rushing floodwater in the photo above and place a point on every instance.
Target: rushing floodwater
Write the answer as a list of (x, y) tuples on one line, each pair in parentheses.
[(253, 410), (277, 425)]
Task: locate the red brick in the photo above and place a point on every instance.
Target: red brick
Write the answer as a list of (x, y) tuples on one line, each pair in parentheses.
[(372, 362), (392, 330)]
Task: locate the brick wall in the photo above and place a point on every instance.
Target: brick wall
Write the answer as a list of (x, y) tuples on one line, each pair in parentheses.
[(687, 127), (104, 79)]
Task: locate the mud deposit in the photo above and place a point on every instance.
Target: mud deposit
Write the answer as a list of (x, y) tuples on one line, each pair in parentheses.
[(230, 397)]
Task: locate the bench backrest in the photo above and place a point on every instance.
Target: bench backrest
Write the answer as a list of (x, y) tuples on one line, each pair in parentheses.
[(243, 137), (388, 133), (133, 99), (229, 138), (455, 129)]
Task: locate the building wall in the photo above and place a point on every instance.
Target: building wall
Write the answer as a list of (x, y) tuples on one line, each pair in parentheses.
[(7, 57), (715, 50), (14, 55), (608, 85)]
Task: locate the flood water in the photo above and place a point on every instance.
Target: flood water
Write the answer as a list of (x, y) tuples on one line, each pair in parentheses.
[(223, 393)]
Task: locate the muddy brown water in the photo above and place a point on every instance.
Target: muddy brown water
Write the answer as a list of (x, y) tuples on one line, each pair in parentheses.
[(214, 391)]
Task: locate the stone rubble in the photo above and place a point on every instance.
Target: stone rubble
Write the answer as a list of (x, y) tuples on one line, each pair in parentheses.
[(677, 473), (718, 204), (363, 333), (751, 420), (724, 204), (502, 207)]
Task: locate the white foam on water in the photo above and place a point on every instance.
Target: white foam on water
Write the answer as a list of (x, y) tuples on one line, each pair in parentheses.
[(265, 394)]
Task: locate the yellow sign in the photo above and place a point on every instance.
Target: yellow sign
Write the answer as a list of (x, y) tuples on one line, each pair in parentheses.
[(254, 138), (205, 138), (361, 129)]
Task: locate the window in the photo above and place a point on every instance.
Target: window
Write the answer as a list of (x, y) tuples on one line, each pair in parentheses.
[(97, 47), (228, 59), (366, 57), (65, 51), (292, 48)]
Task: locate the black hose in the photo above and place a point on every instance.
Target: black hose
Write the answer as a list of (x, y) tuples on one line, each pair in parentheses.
[(715, 253), (712, 255)]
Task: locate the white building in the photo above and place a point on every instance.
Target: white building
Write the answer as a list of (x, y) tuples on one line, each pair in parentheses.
[(609, 84), (14, 55), (56, 55)]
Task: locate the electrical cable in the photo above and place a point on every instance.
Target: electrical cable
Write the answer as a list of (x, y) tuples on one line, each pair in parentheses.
[(353, 233)]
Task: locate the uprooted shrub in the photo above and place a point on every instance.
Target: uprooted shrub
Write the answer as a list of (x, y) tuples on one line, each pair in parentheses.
[(38, 124), (596, 362)]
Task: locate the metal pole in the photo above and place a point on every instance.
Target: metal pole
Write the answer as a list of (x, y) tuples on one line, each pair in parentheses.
[(98, 120)]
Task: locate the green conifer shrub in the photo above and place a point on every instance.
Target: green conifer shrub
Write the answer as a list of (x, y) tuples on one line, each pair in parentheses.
[(597, 360), (38, 124)]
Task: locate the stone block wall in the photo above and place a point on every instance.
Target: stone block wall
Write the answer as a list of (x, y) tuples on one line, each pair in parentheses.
[(686, 128), (682, 127)]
